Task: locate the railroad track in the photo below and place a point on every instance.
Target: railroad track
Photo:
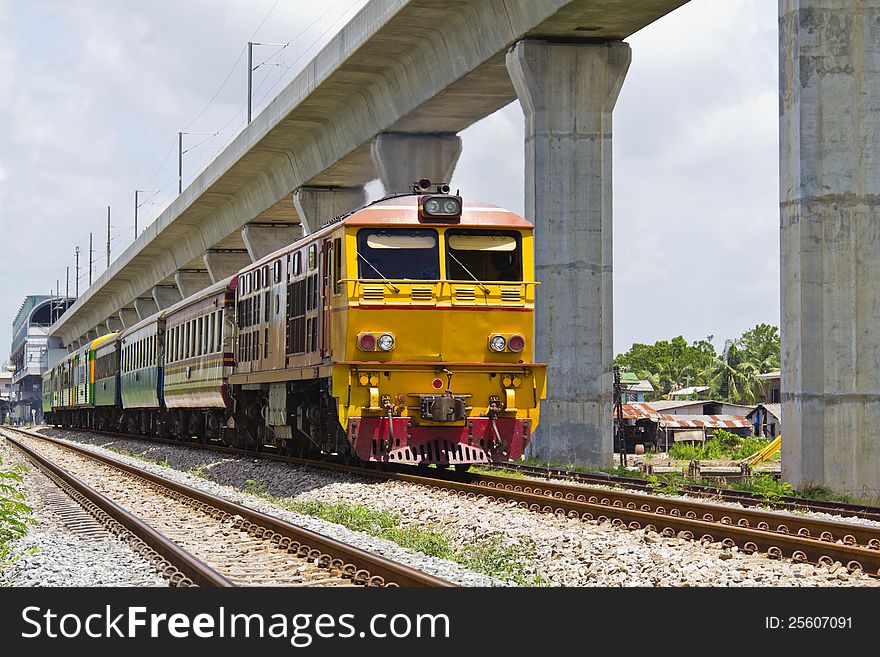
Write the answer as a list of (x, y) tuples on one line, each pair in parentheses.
[(778, 534), (790, 503), (195, 538)]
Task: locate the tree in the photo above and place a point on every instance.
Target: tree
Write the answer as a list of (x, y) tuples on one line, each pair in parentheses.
[(761, 346), (732, 377), (668, 364)]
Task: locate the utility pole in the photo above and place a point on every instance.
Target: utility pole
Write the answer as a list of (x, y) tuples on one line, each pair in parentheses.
[(179, 162), (91, 251), (250, 75), (108, 236), (251, 69), (77, 273)]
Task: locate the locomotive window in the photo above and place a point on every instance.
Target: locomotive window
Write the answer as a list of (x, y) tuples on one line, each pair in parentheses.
[(484, 255), (337, 265), (297, 263), (266, 276), (277, 271), (398, 253), (313, 253)]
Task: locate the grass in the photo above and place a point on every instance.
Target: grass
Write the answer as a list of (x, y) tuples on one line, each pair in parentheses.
[(489, 557), (199, 471), (15, 515)]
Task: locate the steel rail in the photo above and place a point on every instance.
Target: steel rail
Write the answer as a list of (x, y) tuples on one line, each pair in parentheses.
[(362, 566), (728, 495), (814, 540), (167, 557)]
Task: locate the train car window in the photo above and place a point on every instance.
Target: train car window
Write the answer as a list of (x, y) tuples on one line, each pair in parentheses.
[(209, 333), (398, 253), (297, 263), (266, 306), (219, 331), (486, 255), (266, 343), (313, 256), (277, 271), (337, 265), (192, 338), (266, 276)]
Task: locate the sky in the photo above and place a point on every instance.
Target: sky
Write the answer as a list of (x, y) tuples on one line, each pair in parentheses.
[(93, 94)]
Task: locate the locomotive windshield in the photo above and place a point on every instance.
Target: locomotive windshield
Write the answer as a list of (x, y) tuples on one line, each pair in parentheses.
[(483, 255), (398, 253)]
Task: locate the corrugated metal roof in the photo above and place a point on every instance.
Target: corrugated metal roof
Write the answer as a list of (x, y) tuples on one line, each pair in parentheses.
[(704, 422), (664, 404), (638, 411), (770, 375), (688, 391)]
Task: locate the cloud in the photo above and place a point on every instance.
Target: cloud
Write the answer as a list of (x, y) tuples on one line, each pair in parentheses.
[(92, 95)]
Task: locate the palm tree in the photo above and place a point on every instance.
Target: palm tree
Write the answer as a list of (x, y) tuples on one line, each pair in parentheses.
[(733, 378)]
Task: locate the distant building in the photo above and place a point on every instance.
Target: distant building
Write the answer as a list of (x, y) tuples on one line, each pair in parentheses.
[(648, 424), (766, 420), (632, 388), (772, 384), (699, 407), (5, 392), (32, 352)]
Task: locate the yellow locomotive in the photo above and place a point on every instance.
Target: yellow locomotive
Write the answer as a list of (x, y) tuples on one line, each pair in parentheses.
[(401, 332)]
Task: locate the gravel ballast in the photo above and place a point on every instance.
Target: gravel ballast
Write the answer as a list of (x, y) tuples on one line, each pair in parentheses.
[(54, 554), (556, 551)]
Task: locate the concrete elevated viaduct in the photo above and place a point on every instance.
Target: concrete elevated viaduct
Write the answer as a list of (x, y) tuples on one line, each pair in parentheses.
[(387, 98)]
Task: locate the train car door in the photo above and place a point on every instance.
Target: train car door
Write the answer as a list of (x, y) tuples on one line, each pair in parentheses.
[(326, 294)]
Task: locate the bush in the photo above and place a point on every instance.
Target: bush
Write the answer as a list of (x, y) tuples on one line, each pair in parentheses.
[(14, 513), (722, 445)]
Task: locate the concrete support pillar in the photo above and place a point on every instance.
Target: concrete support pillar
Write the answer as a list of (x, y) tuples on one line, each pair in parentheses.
[(568, 92), (402, 158), (226, 262), (318, 205), (166, 296), (128, 317), (829, 77), (190, 281), (263, 239), (145, 306)]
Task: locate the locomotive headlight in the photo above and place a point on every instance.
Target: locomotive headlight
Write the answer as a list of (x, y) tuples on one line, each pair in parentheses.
[(386, 342), (432, 206), (442, 206), (451, 206), (497, 343)]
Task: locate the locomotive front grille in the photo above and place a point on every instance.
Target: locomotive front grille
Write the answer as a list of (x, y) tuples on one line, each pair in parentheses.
[(425, 293), (511, 295), (373, 293), (465, 294)]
